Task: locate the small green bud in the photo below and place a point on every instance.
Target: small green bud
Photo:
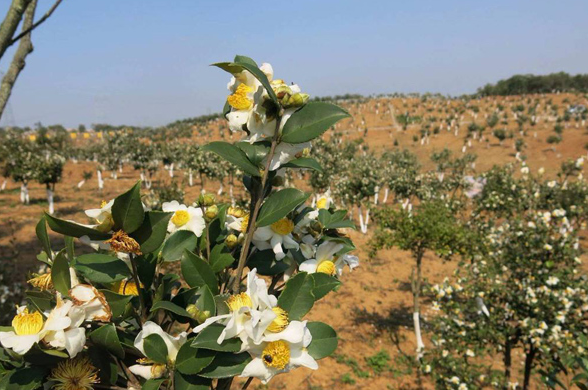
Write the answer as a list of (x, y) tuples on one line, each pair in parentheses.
[(211, 211), (231, 241), (197, 314), (278, 181), (206, 200)]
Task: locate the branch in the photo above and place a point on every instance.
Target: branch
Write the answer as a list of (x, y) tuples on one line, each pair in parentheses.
[(36, 24), (10, 23), (25, 48)]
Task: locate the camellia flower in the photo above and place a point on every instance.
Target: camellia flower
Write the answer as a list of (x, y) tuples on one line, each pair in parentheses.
[(74, 374), (325, 260), (28, 330), (92, 301), (149, 371), (280, 353), (63, 327), (286, 152), (103, 216), (275, 236), (184, 218), (241, 307), (44, 282)]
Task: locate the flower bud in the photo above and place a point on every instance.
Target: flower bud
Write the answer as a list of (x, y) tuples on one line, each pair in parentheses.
[(296, 100), (278, 181), (211, 211), (197, 314), (231, 241), (206, 200)]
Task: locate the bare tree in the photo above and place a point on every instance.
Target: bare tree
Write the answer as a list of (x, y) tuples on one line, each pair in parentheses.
[(19, 11)]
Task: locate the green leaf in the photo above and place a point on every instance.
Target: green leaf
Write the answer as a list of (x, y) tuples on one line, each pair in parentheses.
[(254, 152), (192, 360), (207, 339), (197, 272), (106, 365), (266, 263), (117, 302), (232, 154), (100, 268), (26, 378), (220, 258), (60, 273), (152, 384), (279, 204), (42, 235), (324, 340), (297, 298), (73, 229), (152, 231), (245, 63), (323, 284), (174, 246), (337, 220), (106, 337), (304, 162), (190, 382), (205, 301), (311, 121), (146, 264), (127, 210), (171, 307), (69, 248), (226, 365), (42, 300), (155, 348)]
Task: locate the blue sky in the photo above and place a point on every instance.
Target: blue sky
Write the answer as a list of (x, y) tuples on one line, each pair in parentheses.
[(145, 62)]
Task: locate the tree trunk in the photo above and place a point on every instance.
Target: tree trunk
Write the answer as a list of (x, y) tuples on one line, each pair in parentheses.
[(100, 181), (507, 362), (386, 191), (3, 187), (190, 177), (10, 24), (529, 356), (50, 199), (25, 47), (81, 183), (416, 293)]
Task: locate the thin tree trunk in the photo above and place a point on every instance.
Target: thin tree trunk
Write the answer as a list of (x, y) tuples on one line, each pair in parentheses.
[(50, 200), (507, 361), (100, 181), (416, 293), (81, 183), (25, 47), (528, 367), (10, 23)]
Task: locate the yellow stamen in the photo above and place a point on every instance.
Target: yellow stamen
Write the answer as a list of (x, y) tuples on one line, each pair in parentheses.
[(327, 267), (121, 242), (180, 218), (237, 301), (322, 203), (239, 99), (280, 322), (283, 226), (74, 374), (245, 223), (276, 354), (126, 287), (26, 323), (157, 370), (103, 204), (42, 282)]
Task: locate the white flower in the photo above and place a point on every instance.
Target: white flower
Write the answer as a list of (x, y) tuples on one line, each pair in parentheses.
[(476, 186), (103, 216), (276, 236), (28, 330), (287, 152), (280, 353), (92, 302), (184, 218), (552, 281), (325, 261), (173, 345), (64, 329), (242, 307)]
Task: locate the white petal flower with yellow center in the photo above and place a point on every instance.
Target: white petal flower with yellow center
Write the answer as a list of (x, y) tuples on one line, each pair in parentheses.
[(280, 353), (103, 216), (242, 308), (64, 329), (28, 330), (184, 218), (276, 236), (325, 261), (173, 344)]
